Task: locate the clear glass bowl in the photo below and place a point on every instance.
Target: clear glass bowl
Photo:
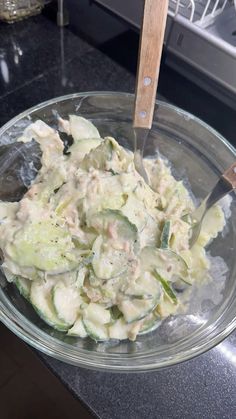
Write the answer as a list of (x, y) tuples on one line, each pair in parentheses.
[(198, 154)]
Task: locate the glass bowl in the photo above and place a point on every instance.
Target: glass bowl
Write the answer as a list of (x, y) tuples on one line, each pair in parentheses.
[(197, 154)]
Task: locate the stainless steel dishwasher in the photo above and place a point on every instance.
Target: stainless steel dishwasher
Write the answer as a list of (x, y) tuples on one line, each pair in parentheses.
[(200, 40)]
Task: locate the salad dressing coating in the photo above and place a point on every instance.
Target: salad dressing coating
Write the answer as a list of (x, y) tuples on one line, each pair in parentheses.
[(96, 250)]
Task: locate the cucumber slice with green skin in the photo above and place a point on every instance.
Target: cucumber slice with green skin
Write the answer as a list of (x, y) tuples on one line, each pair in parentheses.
[(108, 262), (24, 286), (45, 246), (145, 287), (96, 314), (82, 147), (165, 235), (115, 313), (150, 324), (148, 294), (168, 264), (98, 157), (107, 156), (165, 308), (135, 211), (136, 309), (41, 299), (181, 285), (95, 318), (67, 302), (119, 330), (117, 241), (111, 196), (97, 332), (78, 329), (166, 287), (81, 128), (113, 224)]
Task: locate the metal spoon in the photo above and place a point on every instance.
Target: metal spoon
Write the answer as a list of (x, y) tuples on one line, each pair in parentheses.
[(150, 50), (225, 184)]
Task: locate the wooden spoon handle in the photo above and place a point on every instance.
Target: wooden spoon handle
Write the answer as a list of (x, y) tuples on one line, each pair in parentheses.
[(150, 49), (230, 175)]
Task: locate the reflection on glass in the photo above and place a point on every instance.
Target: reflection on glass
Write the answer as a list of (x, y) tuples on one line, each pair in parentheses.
[(4, 68), (17, 51), (228, 351), (10, 56)]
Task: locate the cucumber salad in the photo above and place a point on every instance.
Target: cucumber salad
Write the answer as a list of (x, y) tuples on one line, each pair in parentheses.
[(93, 248)]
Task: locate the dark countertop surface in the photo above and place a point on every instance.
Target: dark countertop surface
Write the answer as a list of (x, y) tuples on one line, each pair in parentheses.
[(39, 61)]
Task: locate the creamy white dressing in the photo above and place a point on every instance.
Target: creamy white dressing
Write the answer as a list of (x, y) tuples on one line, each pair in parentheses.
[(90, 217)]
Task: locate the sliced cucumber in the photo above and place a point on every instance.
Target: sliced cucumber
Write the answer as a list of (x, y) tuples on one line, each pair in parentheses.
[(98, 157), (78, 329), (166, 287), (81, 274), (145, 287), (135, 211), (119, 330), (108, 156), (67, 301), (82, 147), (95, 319), (111, 196), (136, 309), (115, 313), (45, 246), (165, 235), (181, 285), (113, 224), (41, 299), (144, 295), (168, 264), (117, 240), (165, 308), (97, 332), (24, 286), (96, 314), (151, 323), (107, 262), (81, 128)]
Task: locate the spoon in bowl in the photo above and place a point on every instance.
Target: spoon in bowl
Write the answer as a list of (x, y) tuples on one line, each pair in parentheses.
[(225, 184), (150, 50)]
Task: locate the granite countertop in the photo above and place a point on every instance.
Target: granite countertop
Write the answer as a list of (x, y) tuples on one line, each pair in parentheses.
[(39, 61)]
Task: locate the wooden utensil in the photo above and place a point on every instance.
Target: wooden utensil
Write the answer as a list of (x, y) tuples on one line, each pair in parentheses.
[(150, 50)]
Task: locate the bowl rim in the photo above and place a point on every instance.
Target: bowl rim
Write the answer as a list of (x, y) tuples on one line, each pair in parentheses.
[(56, 349), (112, 93)]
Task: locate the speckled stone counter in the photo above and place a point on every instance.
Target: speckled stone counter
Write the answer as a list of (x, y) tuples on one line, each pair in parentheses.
[(39, 61), (201, 388)]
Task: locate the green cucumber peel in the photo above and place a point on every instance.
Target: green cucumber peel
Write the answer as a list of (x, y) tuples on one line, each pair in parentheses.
[(166, 287), (165, 235)]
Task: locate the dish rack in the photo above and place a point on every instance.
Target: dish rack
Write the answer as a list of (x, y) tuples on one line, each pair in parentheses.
[(200, 38)]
